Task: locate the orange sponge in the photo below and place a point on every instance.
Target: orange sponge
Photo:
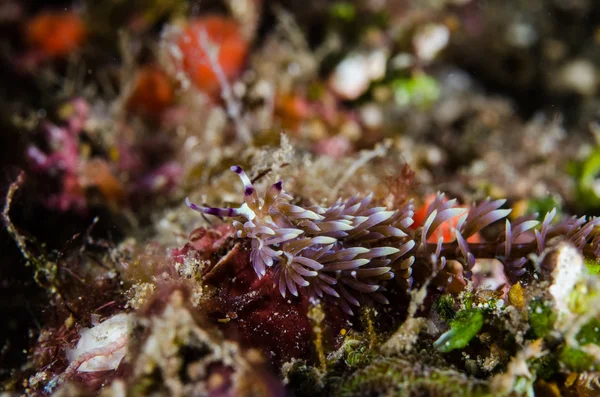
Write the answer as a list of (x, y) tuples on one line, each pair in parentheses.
[(56, 33), (225, 35)]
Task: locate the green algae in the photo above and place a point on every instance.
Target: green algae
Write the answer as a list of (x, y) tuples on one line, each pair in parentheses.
[(402, 377), (541, 317), (463, 328)]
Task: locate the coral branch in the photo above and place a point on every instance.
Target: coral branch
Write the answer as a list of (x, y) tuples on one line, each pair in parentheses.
[(10, 227)]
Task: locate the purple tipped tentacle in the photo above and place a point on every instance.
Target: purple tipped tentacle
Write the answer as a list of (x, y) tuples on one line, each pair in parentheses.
[(273, 193), (223, 212), (245, 180), (250, 195)]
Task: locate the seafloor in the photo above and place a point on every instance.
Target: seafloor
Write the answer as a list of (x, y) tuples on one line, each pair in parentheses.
[(413, 212)]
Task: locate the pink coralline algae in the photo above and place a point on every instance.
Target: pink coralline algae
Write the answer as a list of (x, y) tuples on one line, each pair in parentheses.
[(62, 160), (72, 172)]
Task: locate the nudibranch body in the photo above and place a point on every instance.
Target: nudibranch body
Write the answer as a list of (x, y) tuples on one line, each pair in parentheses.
[(340, 253)]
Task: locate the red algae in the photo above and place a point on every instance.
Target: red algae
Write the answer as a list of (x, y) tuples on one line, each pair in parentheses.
[(249, 309)]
